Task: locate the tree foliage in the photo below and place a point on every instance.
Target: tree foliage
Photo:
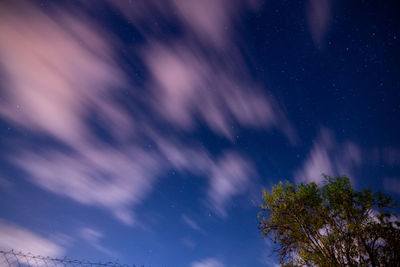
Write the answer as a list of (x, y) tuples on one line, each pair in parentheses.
[(330, 225)]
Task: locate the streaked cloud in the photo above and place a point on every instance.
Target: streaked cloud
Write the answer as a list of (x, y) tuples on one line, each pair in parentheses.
[(58, 69), (62, 73), (230, 177), (20, 239), (191, 223), (208, 90), (201, 74), (329, 157), (101, 176), (209, 262), (319, 17)]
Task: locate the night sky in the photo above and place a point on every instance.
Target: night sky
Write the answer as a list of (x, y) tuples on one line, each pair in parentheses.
[(146, 130)]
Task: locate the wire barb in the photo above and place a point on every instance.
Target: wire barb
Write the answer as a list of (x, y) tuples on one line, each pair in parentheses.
[(12, 258)]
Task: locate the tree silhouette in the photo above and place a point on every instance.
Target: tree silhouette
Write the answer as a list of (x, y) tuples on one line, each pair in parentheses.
[(330, 225)]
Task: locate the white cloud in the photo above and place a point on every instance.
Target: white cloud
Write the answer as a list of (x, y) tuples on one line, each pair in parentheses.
[(103, 176), (20, 239), (209, 262), (329, 157), (230, 177)]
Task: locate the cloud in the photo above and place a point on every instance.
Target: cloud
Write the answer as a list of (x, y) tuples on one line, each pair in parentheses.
[(230, 177), (268, 258), (57, 70), (93, 238), (209, 262), (329, 157), (102, 176), (208, 21), (20, 239), (60, 68), (61, 73), (201, 76), (191, 223), (208, 90), (319, 16)]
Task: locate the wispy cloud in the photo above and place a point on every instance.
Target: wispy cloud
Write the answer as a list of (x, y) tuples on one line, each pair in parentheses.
[(208, 90), (58, 69), (192, 224), (319, 17), (62, 73), (202, 75), (20, 239), (329, 157), (231, 176), (209, 262), (102, 176)]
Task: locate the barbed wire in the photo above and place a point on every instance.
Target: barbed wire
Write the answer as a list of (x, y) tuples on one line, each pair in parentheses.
[(13, 258)]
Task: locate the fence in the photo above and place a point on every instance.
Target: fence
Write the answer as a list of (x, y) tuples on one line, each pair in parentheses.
[(12, 258)]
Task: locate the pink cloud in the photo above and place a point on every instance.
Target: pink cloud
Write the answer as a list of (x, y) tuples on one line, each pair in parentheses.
[(57, 69), (186, 83), (209, 19), (319, 16), (61, 66), (187, 86)]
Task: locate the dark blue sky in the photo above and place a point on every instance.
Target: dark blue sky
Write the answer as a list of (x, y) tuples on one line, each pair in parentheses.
[(145, 131)]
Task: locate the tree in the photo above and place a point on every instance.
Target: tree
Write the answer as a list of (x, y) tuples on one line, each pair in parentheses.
[(330, 225)]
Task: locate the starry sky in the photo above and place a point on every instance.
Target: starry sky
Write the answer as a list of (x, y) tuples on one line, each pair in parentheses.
[(144, 131)]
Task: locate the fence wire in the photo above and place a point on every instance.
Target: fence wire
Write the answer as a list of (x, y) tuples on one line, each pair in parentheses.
[(12, 258)]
